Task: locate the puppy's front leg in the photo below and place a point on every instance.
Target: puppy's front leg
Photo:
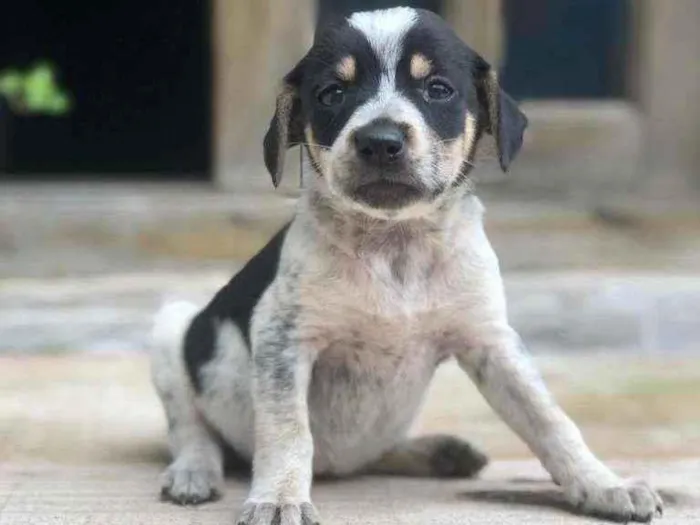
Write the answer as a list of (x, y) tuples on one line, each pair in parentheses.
[(498, 365), (283, 458)]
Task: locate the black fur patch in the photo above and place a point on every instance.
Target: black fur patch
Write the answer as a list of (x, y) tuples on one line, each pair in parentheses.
[(333, 44), (234, 302), (452, 60), (430, 36), (454, 458)]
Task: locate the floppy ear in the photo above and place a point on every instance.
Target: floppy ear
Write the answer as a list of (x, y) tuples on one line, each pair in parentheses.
[(286, 127), (500, 113)]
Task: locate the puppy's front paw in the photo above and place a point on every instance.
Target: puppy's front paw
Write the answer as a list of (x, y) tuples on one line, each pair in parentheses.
[(191, 484), (259, 513), (624, 501)]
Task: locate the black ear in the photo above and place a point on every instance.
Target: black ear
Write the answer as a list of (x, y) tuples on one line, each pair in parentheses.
[(286, 127), (500, 113)]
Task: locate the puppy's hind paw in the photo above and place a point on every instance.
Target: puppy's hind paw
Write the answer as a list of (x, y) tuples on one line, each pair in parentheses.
[(455, 458), (437, 456), (190, 486)]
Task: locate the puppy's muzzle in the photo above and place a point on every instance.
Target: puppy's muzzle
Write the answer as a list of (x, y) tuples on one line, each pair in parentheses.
[(383, 177)]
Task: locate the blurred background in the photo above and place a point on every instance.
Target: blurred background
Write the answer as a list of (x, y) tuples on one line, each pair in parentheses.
[(131, 171)]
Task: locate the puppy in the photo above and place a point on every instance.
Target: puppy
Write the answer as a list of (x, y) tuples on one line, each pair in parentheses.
[(314, 359)]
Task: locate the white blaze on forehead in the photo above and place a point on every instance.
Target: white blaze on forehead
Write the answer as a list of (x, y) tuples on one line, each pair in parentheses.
[(385, 31)]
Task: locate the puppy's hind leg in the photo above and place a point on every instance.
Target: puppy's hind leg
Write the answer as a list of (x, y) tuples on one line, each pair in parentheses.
[(196, 472), (435, 456)]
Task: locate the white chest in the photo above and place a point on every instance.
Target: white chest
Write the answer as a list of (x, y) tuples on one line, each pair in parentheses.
[(364, 394), (376, 336)]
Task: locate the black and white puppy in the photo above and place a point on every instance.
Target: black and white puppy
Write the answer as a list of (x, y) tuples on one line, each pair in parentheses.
[(314, 359)]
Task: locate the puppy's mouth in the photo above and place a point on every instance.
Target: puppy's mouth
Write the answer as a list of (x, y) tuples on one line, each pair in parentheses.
[(387, 194)]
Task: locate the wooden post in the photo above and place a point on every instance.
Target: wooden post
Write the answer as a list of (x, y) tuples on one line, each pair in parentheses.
[(669, 88), (480, 24), (255, 43)]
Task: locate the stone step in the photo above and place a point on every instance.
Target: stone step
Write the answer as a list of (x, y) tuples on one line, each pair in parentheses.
[(75, 230), (554, 312)]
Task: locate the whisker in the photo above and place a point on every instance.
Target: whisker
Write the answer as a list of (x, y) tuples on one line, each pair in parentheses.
[(312, 145), (448, 142)]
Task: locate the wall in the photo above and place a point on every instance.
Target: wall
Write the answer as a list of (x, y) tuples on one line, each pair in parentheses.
[(669, 92)]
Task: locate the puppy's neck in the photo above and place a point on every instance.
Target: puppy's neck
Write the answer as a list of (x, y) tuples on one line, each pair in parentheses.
[(359, 234)]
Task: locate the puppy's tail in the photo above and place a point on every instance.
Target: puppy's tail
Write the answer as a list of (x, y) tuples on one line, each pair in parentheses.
[(170, 324)]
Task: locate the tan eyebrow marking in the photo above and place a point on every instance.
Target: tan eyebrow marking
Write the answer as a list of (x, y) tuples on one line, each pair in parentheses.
[(347, 68), (420, 66)]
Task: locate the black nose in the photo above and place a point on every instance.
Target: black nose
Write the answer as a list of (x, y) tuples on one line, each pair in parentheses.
[(380, 142)]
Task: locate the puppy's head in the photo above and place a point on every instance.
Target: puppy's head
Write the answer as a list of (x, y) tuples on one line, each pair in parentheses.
[(390, 106)]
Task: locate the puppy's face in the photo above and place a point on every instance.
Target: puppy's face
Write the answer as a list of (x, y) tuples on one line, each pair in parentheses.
[(390, 105)]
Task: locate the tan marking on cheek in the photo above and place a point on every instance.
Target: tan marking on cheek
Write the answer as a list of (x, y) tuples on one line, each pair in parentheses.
[(450, 157), (347, 69), (420, 66), (316, 151), (456, 155), (311, 143), (469, 136)]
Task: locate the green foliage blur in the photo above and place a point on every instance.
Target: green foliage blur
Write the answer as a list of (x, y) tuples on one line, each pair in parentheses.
[(35, 91)]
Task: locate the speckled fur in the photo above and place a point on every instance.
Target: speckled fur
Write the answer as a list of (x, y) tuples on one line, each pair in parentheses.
[(363, 308)]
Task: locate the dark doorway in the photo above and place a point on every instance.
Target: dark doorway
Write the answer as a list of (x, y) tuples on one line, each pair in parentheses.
[(140, 76), (345, 7), (566, 48)]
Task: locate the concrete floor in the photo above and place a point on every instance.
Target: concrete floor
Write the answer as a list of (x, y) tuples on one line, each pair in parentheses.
[(82, 435), (516, 493), (82, 441)]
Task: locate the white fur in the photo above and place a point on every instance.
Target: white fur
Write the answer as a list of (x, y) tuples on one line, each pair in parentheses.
[(196, 473), (346, 338), (170, 324), (226, 399), (385, 335), (385, 31)]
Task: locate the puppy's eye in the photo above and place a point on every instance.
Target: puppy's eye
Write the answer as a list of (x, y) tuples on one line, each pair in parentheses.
[(332, 95), (438, 89)]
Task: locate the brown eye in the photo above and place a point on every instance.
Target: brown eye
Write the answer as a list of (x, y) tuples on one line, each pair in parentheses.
[(332, 95), (438, 89)]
